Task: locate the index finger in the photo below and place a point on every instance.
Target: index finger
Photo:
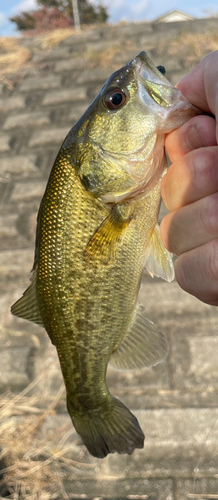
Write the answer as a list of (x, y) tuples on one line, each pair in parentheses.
[(198, 132)]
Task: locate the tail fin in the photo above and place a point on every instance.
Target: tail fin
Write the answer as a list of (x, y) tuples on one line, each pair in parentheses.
[(116, 430)]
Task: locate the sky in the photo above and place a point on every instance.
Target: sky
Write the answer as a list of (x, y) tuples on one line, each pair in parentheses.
[(119, 10)]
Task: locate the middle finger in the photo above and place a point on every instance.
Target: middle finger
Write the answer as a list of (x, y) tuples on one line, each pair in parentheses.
[(191, 226), (190, 178)]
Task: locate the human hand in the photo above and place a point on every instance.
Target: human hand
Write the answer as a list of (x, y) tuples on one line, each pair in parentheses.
[(190, 187)]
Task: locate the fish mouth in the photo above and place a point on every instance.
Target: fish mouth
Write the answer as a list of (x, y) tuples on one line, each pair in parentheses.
[(155, 92), (147, 70), (158, 94)]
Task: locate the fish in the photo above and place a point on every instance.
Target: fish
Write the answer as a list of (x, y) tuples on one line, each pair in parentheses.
[(96, 231)]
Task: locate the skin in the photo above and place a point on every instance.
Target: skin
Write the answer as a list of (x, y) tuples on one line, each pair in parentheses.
[(190, 187)]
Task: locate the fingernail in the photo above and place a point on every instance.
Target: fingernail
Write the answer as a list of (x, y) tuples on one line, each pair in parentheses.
[(193, 138)]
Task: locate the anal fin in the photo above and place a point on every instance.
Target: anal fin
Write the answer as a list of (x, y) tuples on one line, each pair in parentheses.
[(142, 346)]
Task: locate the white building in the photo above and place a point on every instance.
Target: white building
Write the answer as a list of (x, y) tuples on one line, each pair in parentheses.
[(173, 16)]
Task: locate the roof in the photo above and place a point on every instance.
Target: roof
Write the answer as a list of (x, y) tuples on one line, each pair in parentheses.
[(174, 16)]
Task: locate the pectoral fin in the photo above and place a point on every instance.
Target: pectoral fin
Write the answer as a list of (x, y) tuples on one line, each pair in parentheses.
[(102, 245), (158, 261), (142, 346), (27, 306)]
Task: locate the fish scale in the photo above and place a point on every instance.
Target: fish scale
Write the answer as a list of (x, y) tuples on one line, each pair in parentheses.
[(97, 229)]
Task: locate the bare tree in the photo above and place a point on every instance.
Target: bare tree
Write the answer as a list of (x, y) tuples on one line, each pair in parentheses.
[(76, 14)]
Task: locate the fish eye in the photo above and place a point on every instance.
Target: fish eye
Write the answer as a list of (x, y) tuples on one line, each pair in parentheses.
[(114, 99), (162, 70)]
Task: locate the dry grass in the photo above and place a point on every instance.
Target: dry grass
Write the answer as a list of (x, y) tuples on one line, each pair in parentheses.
[(32, 469), (13, 55), (194, 46), (53, 38), (104, 56)]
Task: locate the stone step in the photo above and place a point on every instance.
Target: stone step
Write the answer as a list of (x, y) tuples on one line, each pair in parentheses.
[(180, 443)]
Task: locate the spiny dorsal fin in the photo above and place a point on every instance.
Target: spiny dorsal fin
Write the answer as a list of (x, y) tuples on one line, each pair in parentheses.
[(142, 346), (102, 245), (27, 306), (158, 261)]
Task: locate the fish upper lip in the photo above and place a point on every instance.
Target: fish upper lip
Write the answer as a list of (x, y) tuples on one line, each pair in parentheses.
[(140, 65)]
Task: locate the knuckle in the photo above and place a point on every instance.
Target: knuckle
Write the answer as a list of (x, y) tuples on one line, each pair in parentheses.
[(208, 214), (166, 232), (174, 236), (213, 259), (182, 277), (213, 155), (209, 159), (203, 168)]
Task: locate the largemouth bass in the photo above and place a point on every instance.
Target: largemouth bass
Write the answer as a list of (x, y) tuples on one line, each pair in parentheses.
[(97, 229)]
